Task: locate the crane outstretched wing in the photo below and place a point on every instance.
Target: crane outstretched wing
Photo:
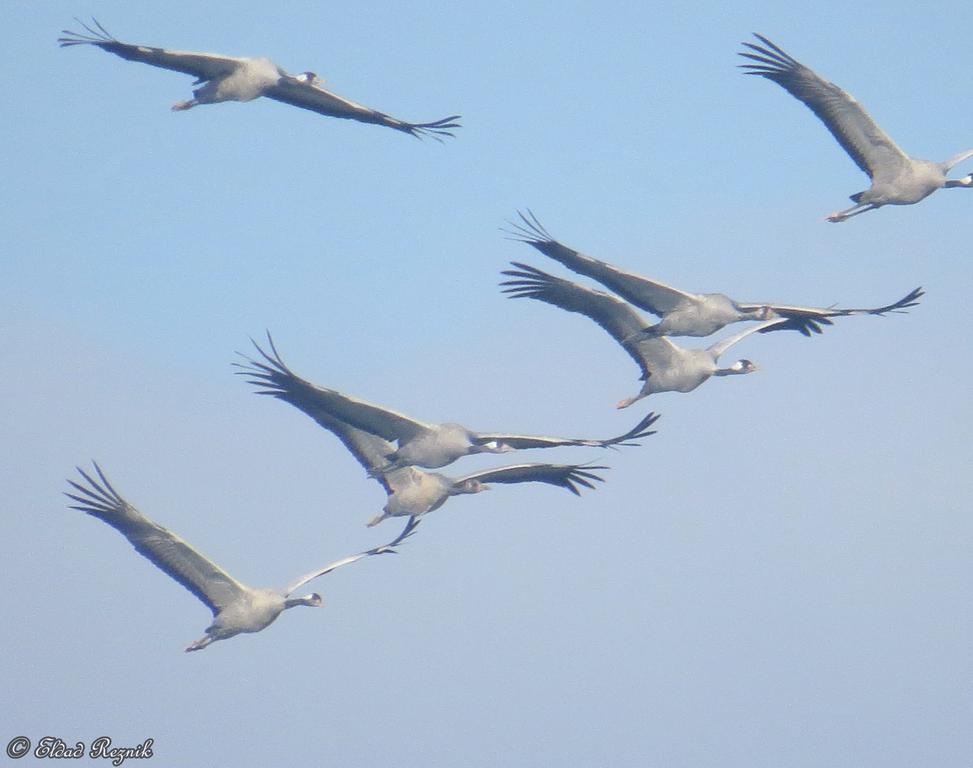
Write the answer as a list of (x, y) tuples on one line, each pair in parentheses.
[(167, 551), (650, 295), (384, 549), (858, 134), (304, 93), (202, 66)]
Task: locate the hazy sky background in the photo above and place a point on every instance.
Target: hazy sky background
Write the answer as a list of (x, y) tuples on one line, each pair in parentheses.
[(779, 577)]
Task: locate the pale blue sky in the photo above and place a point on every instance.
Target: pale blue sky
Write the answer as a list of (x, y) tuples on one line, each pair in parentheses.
[(780, 577)]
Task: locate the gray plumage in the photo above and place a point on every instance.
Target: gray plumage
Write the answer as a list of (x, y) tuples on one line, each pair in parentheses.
[(688, 314), (414, 492), (231, 78), (411, 491), (665, 366), (897, 178), (421, 443), (236, 607)]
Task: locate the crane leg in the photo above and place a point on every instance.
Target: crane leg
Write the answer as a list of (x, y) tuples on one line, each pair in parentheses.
[(838, 216)]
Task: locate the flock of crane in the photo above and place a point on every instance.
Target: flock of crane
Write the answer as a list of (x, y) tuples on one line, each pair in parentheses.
[(397, 450)]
